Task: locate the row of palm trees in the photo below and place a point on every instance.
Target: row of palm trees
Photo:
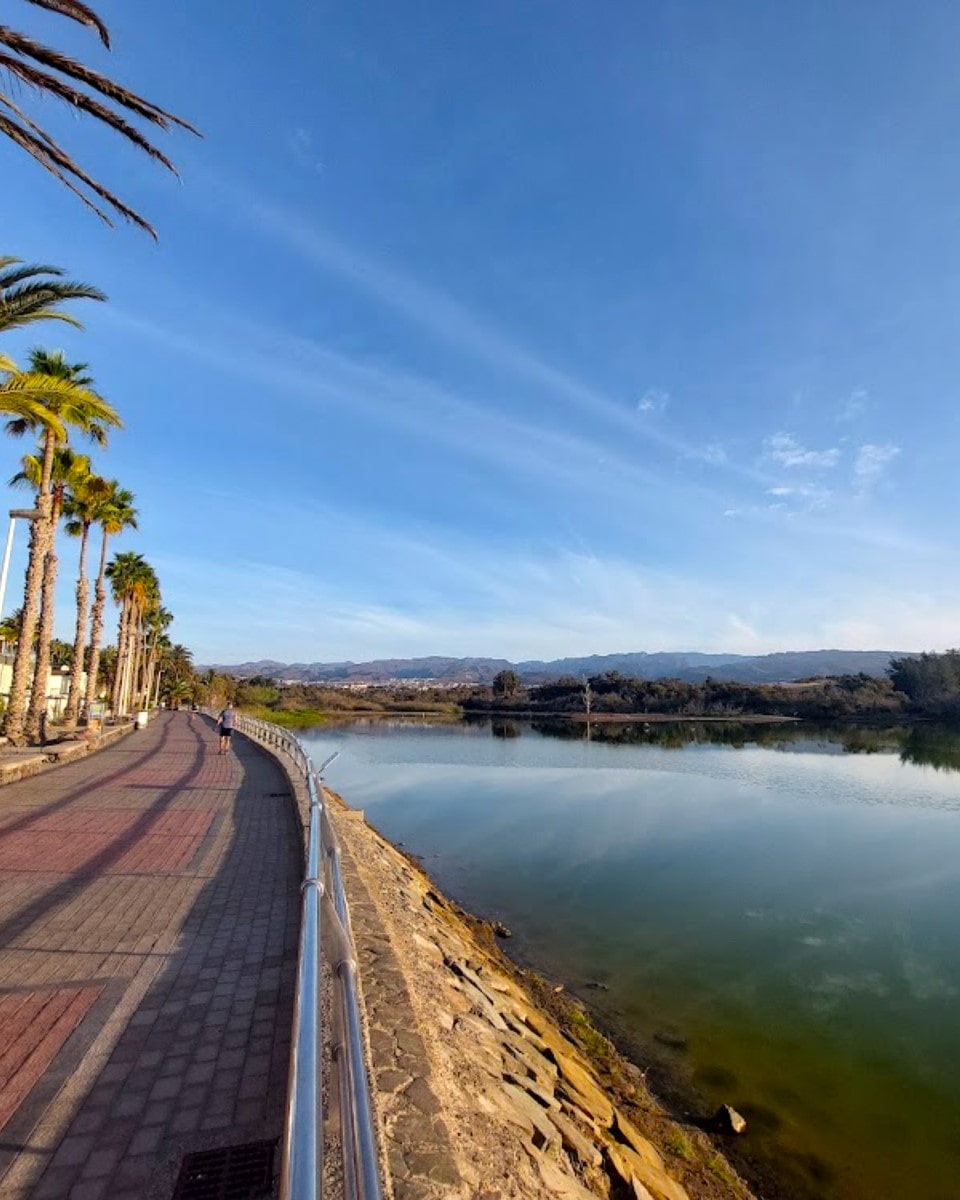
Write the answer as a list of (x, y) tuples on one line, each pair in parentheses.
[(55, 400)]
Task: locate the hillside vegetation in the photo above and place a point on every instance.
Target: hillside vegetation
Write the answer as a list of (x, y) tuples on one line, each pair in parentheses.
[(925, 685)]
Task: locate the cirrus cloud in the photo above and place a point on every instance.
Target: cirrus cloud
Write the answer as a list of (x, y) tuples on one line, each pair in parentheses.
[(783, 448)]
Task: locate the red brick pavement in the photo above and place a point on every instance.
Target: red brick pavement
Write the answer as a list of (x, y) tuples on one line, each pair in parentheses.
[(149, 901)]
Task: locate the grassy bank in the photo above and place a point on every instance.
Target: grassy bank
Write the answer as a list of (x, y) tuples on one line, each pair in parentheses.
[(303, 718)]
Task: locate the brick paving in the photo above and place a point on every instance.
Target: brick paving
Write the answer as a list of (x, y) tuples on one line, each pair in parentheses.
[(149, 909)]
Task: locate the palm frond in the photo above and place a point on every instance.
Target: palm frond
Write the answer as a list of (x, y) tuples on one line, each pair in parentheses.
[(54, 60), (59, 163), (15, 270), (48, 71), (25, 296), (43, 81), (78, 12), (37, 148)]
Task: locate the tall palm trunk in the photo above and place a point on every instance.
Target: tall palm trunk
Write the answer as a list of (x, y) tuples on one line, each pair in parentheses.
[(140, 675), (122, 640), (13, 725), (96, 625), (128, 657), (72, 710), (136, 653), (151, 670), (41, 666)]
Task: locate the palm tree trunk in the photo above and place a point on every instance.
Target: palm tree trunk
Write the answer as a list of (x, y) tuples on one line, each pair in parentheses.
[(133, 662), (80, 634), (39, 533), (117, 698), (41, 668), (150, 671), (96, 625), (138, 668), (129, 657), (145, 671)]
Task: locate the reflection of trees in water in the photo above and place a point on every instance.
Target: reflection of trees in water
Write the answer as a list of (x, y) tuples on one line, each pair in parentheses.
[(921, 745), (936, 746)]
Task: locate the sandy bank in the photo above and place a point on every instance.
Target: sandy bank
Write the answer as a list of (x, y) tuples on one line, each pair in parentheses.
[(488, 1085)]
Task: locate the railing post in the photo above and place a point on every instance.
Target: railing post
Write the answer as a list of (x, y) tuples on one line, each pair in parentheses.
[(302, 1168)]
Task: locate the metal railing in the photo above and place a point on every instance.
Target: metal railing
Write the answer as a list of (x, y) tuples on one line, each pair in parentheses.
[(324, 907)]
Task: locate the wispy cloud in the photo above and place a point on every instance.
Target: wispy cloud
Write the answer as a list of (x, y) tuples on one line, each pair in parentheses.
[(445, 317), (783, 448), (714, 453), (871, 462), (482, 601), (854, 406), (313, 374), (810, 495), (304, 151), (316, 377), (654, 400)]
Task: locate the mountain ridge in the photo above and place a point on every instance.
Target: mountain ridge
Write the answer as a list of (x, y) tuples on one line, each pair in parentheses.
[(691, 666)]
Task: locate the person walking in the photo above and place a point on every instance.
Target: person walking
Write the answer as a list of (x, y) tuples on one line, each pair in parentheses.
[(226, 723)]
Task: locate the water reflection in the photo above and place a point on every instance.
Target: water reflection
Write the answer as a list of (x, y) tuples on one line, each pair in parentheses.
[(923, 745)]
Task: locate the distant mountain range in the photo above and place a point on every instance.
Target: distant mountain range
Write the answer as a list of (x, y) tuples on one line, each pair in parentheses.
[(743, 668)]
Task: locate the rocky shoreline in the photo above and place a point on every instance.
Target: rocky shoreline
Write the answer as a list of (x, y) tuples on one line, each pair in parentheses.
[(490, 1084)]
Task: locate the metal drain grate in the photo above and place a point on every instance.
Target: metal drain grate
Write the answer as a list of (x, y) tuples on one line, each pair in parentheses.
[(234, 1173)]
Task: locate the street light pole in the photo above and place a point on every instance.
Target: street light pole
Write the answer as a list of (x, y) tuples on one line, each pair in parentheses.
[(5, 570), (28, 514)]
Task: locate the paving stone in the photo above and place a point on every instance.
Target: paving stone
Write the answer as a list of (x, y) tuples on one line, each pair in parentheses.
[(55, 1183), (200, 1072), (101, 1162), (74, 1150), (90, 1189), (147, 1141), (165, 1089), (186, 1121)]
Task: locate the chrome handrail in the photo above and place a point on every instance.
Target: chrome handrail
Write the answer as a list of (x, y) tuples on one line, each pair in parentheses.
[(324, 897)]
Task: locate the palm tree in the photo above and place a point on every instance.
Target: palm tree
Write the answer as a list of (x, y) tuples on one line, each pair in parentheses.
[(107, 668), (115, 513), (61, 654), (134, 586), (10, 628), (178, 666), (47, 71), (23, 395), (25, 297), (177, 692), (146, 602), (158, 621), (68, 400), (69, 471), (80, 506)]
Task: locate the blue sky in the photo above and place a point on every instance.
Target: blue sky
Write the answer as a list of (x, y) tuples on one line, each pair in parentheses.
[(531, 328)]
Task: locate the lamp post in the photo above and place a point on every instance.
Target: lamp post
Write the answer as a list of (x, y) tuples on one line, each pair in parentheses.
[(27, 514)]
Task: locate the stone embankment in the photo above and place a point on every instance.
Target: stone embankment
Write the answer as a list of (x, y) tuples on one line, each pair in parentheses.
[(488, 1086)]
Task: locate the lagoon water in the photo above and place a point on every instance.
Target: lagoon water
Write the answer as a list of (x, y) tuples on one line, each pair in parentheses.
[(773, 913)]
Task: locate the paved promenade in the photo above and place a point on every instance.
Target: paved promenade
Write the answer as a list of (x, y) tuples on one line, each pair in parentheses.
[(149, 910)]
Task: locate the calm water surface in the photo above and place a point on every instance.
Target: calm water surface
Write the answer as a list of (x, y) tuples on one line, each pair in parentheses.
[(774, 912)]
